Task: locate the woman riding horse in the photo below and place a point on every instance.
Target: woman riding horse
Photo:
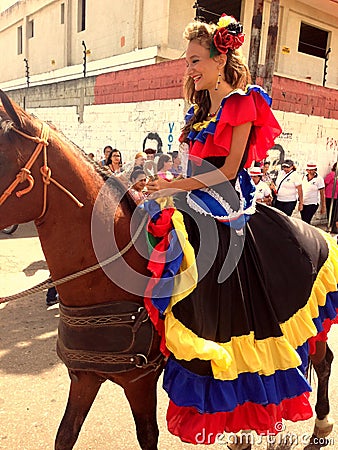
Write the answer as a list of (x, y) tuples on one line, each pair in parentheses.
[(238, 342)]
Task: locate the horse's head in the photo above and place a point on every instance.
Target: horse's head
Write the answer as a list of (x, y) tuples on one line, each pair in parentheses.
[(17, 173)]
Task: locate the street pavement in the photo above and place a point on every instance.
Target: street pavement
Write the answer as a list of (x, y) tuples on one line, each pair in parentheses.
[(34, 383)]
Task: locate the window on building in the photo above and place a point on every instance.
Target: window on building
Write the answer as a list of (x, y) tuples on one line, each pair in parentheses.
[(19, 30), (312, 40), (217, 8), (81, 18), (30, 29), (62, 13)]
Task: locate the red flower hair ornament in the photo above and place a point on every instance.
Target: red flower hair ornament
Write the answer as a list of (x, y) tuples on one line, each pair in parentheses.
[(227, 36)]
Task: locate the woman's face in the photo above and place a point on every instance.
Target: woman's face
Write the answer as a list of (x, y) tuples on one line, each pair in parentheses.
[(311, 172), (167, 165), (286, 169), (116, 158), (140, 182), (265, 168), (177, 161), (255, 178), (140, 161), (200, 67), (107, 152)]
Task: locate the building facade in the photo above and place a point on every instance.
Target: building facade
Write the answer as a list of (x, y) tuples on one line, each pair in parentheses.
[(111, 72)]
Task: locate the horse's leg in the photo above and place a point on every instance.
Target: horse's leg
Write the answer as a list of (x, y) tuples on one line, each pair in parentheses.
[(83, 389), (322, 361), (142, 398)]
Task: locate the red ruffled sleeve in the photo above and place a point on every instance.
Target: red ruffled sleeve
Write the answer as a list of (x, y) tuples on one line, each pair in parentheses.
[(238, 109)]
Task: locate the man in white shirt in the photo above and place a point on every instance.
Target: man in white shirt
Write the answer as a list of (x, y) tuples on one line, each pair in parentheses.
[(313, 192), (289, 188)]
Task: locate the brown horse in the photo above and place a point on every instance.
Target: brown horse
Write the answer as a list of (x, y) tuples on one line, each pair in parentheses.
[(71, 251), (101, 308)]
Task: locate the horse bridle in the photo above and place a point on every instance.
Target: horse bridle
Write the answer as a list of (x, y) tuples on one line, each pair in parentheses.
[(25, 174)]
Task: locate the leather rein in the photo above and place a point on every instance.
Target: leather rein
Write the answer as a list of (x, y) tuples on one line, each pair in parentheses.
[(24, 174)]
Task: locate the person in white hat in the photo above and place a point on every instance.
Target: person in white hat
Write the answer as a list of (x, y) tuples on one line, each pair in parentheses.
[(313, 192), (263, 192)]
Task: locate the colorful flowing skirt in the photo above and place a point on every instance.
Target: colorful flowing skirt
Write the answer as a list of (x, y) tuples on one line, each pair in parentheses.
[(236, 310)]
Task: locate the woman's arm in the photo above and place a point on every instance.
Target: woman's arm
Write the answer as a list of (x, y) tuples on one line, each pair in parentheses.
[(300, 197), (228, 171)]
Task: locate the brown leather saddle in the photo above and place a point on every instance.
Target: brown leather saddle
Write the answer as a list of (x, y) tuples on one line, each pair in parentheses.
[(112, 337)]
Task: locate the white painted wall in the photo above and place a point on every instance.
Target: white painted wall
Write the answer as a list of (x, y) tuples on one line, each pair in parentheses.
[(126, 125), (123, 125), (307, 138)]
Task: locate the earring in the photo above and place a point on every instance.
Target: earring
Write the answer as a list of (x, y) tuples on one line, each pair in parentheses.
[(218, 81)]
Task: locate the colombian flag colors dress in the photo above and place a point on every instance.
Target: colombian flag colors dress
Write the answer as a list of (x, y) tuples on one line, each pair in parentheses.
[(239, 292)]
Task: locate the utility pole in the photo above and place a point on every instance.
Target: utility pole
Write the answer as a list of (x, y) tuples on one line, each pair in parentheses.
[(256, 30), (271, 46)]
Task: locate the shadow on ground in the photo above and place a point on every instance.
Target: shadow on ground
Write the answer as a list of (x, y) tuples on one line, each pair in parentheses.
[(28, 336)]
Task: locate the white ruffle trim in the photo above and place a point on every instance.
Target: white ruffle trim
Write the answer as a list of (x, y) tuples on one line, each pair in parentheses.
[(231, 214)]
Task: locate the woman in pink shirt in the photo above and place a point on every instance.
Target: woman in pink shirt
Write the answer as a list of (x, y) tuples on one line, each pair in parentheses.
[(329, 181)]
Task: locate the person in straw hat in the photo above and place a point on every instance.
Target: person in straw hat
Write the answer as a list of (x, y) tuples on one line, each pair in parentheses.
[(313, 192)]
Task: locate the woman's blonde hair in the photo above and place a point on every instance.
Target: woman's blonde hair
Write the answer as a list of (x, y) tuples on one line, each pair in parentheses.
[(236, 72), (140, 155)]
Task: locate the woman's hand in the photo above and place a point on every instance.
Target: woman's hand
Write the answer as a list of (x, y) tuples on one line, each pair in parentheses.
[(154, 184), (158, 187)]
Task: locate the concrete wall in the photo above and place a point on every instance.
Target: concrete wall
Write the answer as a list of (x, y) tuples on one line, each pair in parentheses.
[(123, 107)]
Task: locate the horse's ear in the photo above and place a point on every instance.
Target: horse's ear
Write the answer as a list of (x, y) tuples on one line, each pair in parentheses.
[(10, 109)]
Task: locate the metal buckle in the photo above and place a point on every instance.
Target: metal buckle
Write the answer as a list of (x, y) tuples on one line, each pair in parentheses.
[(145, 360), (141, 308)]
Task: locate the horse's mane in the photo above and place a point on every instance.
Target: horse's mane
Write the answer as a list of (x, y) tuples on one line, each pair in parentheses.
[(106, 174)]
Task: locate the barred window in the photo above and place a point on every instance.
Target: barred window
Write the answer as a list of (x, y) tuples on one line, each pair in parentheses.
[(312, 40)]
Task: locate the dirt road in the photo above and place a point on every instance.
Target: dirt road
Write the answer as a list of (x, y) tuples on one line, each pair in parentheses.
[(34, 383)]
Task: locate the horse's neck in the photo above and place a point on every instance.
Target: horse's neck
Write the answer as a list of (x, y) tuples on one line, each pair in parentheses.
[(67, 239)]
